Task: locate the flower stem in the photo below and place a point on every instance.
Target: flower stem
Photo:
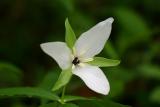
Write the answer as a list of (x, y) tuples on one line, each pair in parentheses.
[(63, 93)]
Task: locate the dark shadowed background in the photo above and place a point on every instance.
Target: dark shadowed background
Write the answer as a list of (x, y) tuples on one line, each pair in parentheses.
[(135, 40)]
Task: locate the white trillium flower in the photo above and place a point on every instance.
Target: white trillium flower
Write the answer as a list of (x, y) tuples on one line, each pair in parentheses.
[(88, 45)]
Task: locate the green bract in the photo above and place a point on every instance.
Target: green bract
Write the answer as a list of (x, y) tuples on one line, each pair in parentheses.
[(63, 79), (104, 62), (70, 37)]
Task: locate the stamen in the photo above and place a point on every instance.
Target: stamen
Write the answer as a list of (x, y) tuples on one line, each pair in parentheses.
[(73, 66), (76, 61), (82, 64)]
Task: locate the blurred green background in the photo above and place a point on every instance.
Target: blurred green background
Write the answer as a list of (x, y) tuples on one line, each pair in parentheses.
[(135, 40)]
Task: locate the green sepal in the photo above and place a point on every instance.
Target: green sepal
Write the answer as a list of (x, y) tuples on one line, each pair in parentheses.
[(104, 62), (63, 79), (70, 37)]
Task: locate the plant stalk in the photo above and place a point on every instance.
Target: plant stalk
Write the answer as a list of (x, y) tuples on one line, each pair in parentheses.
[(63, 93)]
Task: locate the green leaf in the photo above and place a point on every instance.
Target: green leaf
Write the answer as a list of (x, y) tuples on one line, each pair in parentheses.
[(55, 104), (73, 98), (99, 103), (70, 37), (48, 81), (63, 79), (104, 62), (69, 105), (155, 96), (29, 92)]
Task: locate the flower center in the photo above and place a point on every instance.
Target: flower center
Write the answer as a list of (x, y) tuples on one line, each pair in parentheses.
[(76, 61)]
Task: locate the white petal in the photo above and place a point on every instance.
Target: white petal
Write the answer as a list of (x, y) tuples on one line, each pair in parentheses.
[(58, 51), (91, 43), (94, 78)]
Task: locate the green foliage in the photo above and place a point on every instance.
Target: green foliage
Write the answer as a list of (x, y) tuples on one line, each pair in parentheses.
[(104, 62), (10, 74), (70, 37), (69, 105), (28, 92), (59, 105), (118, 77), (68, 4), (74, 98), (100, 103), (55, 104), (155, 95), (41, 93), (134, 40), (134, 28), (110, 50), (49, 80), (89, 103), (63, 79), (150, 71), (134, 21)]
